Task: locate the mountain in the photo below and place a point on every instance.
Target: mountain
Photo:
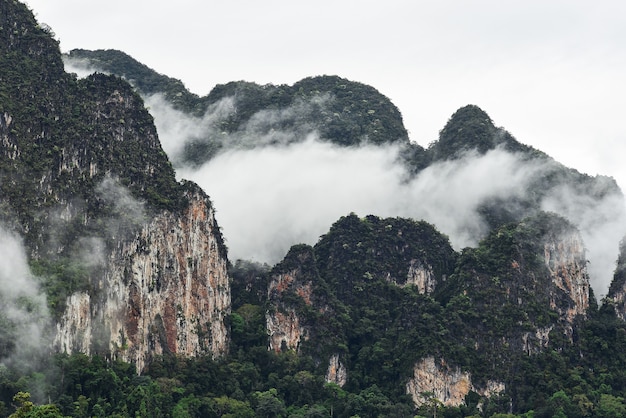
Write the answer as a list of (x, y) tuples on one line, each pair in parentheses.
[(344, 112), (122, 249), (246, 115), (118, 298), (525, 285)]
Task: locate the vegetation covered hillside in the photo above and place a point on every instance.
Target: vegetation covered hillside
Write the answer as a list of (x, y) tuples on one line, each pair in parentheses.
[(62, 136), (381, 317), (244, 114), (341, 111)]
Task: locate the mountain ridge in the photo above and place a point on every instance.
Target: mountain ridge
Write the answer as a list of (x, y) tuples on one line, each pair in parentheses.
[(379, 317)]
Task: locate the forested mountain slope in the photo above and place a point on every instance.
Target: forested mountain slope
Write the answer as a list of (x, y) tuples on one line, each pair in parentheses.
[(113, 239), (349, 114), (118, 298), (344, 112)]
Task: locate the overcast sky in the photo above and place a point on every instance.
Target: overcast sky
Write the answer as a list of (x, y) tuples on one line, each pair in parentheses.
[(553, 73)]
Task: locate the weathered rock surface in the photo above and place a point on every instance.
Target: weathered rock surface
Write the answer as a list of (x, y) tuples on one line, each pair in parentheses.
[(164, 291), (422, 276), (616, 296), (565, 259), (283, 324), (337, 372), (449, 385)]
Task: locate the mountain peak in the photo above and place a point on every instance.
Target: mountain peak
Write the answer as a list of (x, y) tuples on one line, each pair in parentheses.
[(469, 128)]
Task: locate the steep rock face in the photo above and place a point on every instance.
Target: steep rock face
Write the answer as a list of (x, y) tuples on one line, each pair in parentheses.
[(337, 372), (285, 331), (421, 276), (617, 291), (446, 384), (565, 259), (74, 332), (164, 291), (283, 323), (302, 314), (528, 285), (87, 184), (534, 343), (60, 137)]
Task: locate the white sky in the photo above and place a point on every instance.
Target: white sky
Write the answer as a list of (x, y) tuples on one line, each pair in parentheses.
[(553, 73)]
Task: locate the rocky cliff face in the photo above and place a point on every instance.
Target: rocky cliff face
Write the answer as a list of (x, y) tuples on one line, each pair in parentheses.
[(616, 296), (565, 259), (164, 291), (449, 385), (421, 276), (86, 183), (284, 326), (541, 275), (301, 315), (336, 372)]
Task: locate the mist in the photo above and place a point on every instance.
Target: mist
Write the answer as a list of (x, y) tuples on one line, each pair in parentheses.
[(24, 311), (273, 193)]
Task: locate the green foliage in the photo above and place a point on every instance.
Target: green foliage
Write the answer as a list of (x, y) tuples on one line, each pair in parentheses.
[(144, 79), (471, 129), (26, 408), (344, 112), (351, 290), (247, 325), (60, 279)]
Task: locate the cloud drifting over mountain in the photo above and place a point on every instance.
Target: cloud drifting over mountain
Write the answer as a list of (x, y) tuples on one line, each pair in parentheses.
[(291, 191), (23, 305)]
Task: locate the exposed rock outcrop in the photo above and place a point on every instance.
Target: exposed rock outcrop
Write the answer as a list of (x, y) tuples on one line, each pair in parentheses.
[(165, 291), (337, 372), (533, 343), (421, 276), (289, 291), (285, 331), (565, 259), (283, 324), (616, 296), (449, 385)]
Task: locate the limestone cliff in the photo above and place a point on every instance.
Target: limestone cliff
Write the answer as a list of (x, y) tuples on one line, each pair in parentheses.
[(284, 326), (564, 257), (336, 372), (285, 331), (86, 183), (302, 314), (421, 276), (616, 296), (449, 385), (164, 291), (536, 272)]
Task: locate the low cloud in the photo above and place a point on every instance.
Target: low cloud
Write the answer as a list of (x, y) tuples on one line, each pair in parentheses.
[(124, 210), (23, 311), (177, 128), (81, 67), (275, 184), (273, 197), (267, 127)]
